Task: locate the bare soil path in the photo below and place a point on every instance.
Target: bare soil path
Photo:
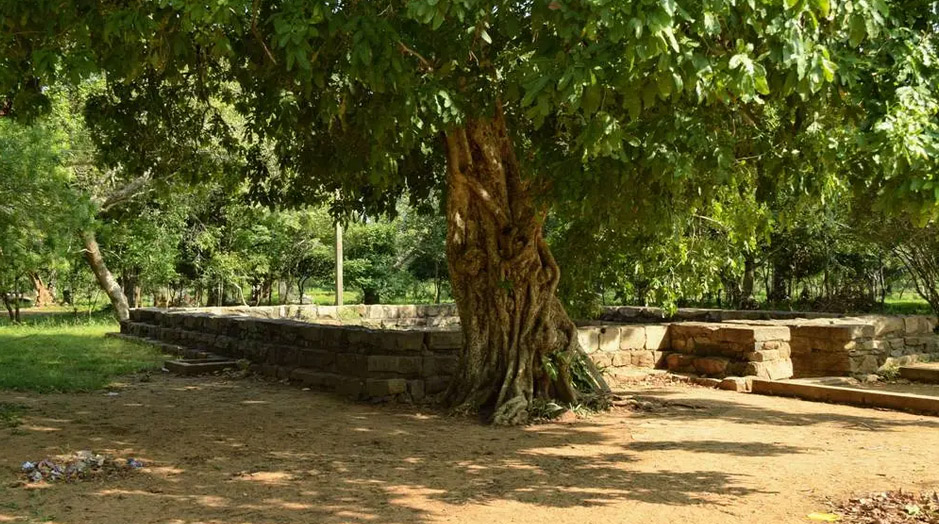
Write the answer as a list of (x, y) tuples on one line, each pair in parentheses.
[(243, 451)]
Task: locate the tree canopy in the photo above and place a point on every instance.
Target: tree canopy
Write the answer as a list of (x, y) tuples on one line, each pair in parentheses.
[(615, 116)]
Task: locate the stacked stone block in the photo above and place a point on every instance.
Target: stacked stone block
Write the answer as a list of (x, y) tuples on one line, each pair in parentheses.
[(618, 346), (721, 350), (862, 345)]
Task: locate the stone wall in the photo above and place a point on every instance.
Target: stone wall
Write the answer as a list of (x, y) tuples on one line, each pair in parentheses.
[(859, 345), (640, 314), (820, 344), (354, 360), (377, 315), (617, 346), (384, 351)]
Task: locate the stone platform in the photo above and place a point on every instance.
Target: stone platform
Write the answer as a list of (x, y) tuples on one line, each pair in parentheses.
[(928, 373), (410, 352)]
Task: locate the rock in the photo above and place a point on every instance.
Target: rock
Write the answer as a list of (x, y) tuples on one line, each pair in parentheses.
[(706, 382), (679, 362), (764, 355), (566, 417), (740, 384), (776, 370), (713, 366)]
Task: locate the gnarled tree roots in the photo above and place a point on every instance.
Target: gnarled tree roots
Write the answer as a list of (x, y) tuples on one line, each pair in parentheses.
[(518, 342)]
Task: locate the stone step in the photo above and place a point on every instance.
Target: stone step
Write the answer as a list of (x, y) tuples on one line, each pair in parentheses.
[(921, 372), (198, 366), (170, 349), (853, 396)]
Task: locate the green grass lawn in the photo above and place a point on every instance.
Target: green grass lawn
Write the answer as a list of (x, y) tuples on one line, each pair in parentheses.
[(65, 353)]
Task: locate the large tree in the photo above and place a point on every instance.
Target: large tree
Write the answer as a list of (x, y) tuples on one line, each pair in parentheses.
[(510, 106)]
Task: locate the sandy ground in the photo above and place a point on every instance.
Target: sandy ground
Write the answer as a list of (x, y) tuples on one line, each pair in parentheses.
[(243, 451)]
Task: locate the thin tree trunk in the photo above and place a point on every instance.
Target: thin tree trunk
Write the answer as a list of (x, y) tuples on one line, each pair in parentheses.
[(9, 306), (105, 279), (746, 285), (17, 298), (504, 282), (436, 282), (131, 287)]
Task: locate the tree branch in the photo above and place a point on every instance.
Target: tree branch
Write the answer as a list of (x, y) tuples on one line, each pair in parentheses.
[(123, 194), (257, 34)]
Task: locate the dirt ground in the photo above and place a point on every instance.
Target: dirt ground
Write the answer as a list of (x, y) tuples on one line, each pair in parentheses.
[(244, 451)]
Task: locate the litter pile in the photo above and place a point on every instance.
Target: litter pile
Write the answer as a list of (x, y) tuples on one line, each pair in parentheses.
[(83, 465), (891, 507)]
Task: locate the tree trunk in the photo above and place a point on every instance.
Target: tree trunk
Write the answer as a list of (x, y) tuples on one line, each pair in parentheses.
[(17, 298), (746, 285), (6, 302), (132, 287), (43, 295), (518, 342), (370, 296), (105, 279)]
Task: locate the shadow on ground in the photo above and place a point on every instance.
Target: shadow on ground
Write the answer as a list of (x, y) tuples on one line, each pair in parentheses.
[(228, 452)]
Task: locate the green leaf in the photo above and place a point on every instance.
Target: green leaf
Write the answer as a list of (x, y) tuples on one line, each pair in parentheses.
[(532, 89), (438, 20), (857, 30), (823, 6), (632, 103), (591, 99)]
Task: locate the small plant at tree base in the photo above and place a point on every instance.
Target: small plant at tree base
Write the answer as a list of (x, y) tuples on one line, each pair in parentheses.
[(889, 372)]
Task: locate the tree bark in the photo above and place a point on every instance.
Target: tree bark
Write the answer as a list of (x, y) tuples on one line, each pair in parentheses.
[(746, 300), (43, 295), (370, 296), (105, 279), (518, 342), (6, 302)]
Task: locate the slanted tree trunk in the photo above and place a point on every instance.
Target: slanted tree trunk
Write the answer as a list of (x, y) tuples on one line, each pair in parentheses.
[(105, 279), (43, 295), (504, 282)]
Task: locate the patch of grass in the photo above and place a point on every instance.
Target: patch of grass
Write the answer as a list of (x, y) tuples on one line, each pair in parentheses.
[(65, 356), (10, 414), (914, 306), (56, 316)]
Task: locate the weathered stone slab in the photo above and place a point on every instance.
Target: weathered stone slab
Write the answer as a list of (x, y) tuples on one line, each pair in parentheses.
[(198, 366), (589, 338), (776, 370), (609, 338), (444, 340), (841, 395), (632, 337), (657, 338), (313, 378)]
